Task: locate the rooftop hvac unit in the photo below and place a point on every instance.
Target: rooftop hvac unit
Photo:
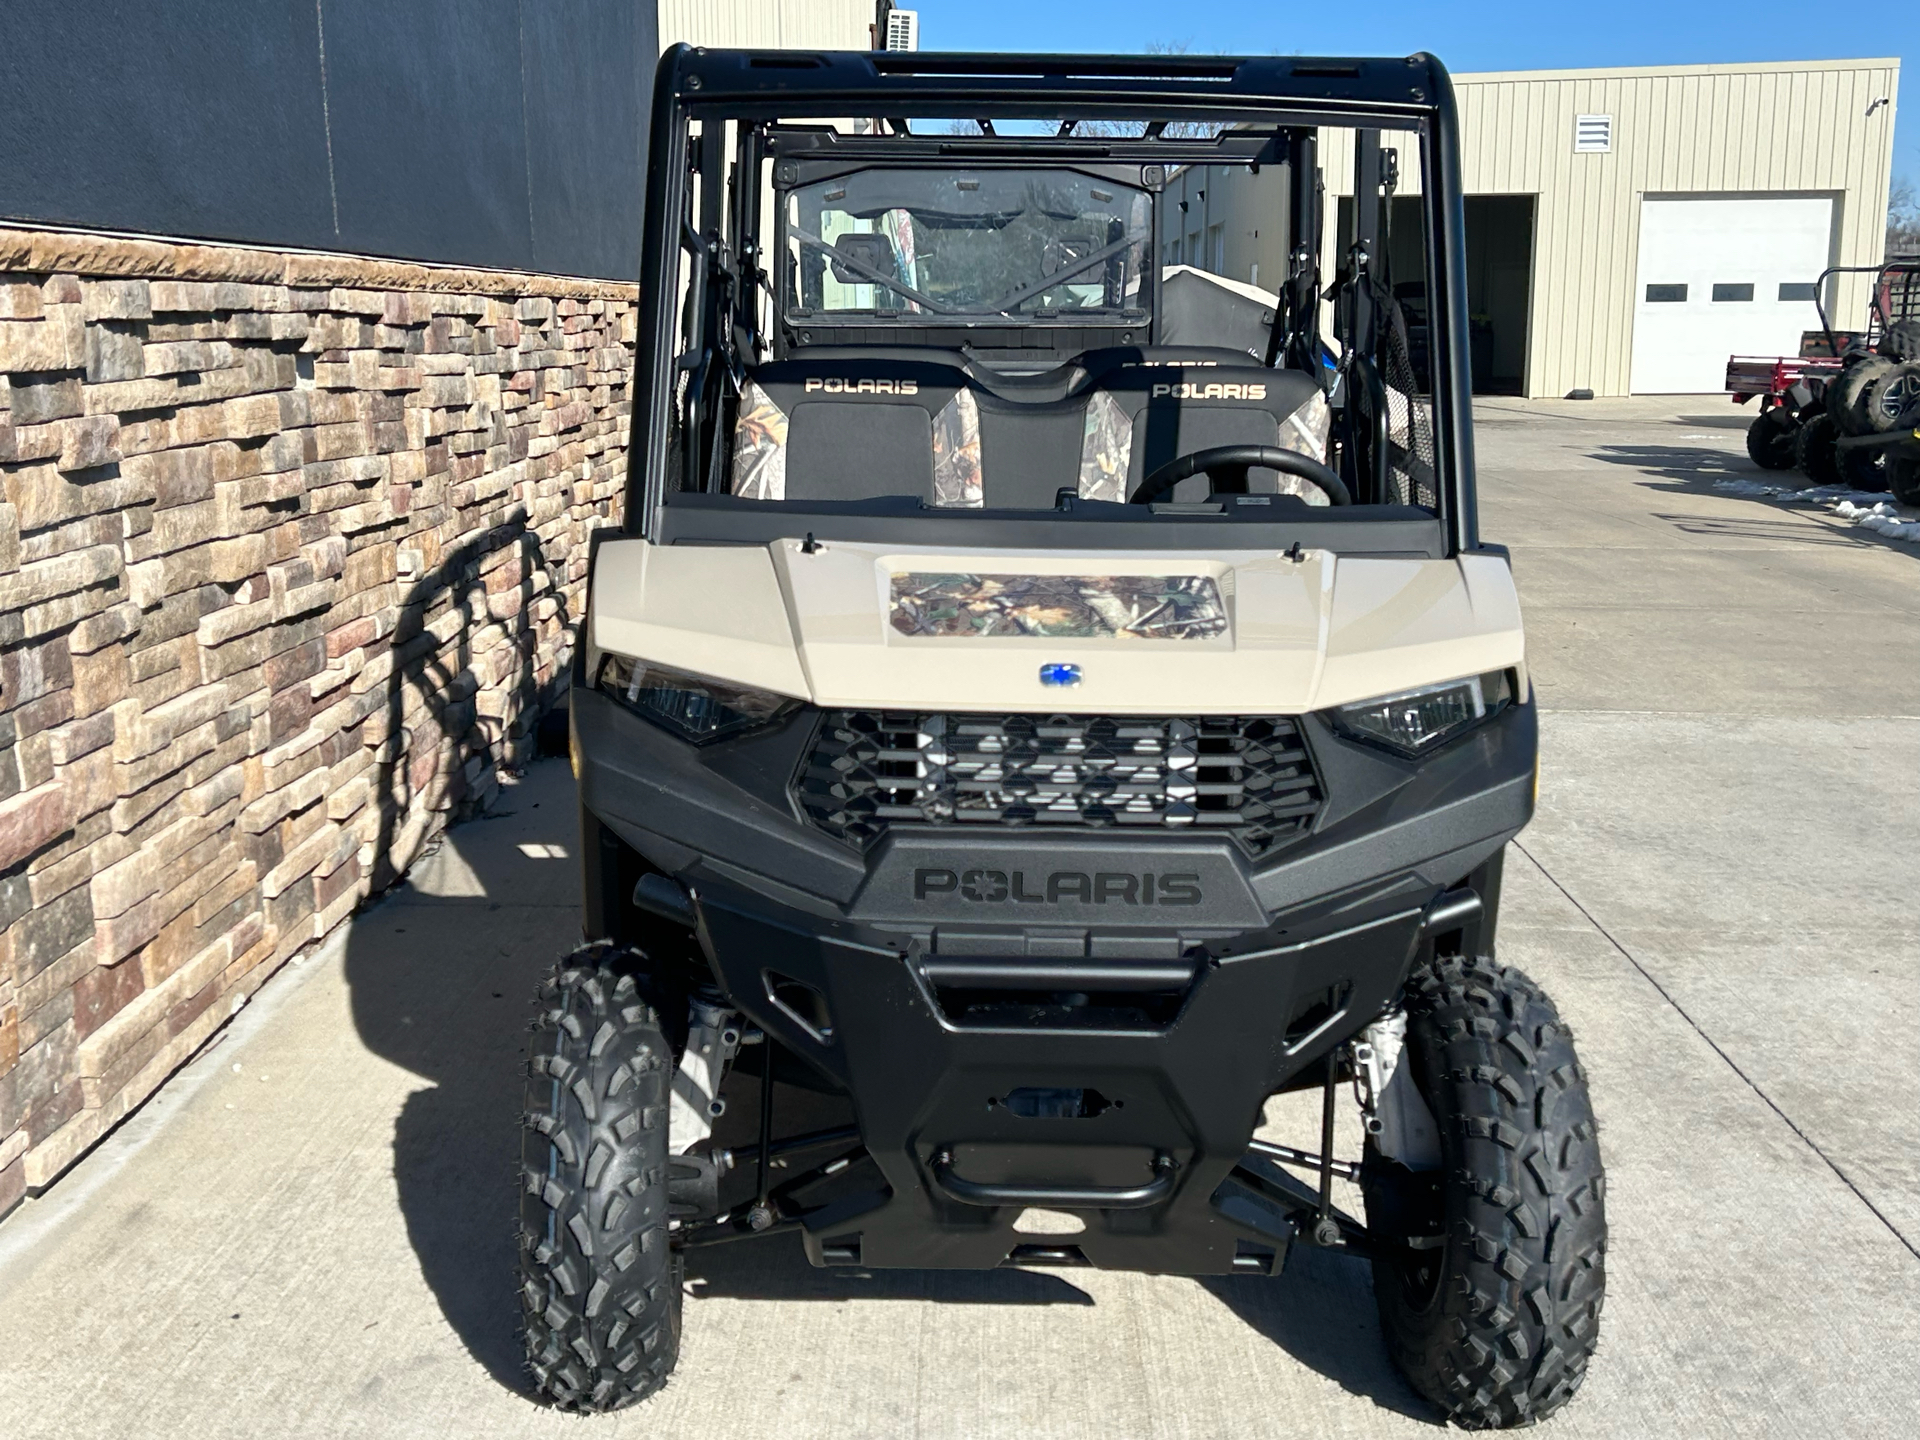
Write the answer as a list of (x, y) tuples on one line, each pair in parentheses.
[(1592, 134), (903, 30)]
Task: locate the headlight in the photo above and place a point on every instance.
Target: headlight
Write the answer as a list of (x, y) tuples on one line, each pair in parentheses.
[(693, 707), (1416, 722)]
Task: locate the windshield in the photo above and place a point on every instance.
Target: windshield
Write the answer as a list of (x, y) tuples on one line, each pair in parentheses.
[(953, 245)]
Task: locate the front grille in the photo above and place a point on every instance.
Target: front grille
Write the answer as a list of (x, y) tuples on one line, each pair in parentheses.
[(1250, 777)]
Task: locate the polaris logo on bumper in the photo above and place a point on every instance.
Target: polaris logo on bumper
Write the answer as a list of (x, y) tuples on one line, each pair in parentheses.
[(1098, 887), (976, 876)]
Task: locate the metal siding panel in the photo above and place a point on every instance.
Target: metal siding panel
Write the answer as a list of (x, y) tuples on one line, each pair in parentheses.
[(1775, 99), (754, 24), (1696, 129)]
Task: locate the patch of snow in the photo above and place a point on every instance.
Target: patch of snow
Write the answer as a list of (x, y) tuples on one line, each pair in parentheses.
[(1881, 518), (1864, 508)]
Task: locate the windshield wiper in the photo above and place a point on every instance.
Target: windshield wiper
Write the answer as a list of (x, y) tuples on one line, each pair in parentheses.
[(878, 277), (1004, 306)]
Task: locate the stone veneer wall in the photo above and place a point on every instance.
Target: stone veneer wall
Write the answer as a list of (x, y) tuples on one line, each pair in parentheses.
[(292, 550)]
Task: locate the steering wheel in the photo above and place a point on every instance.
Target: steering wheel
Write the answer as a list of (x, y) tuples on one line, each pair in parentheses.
[(1229, 464)]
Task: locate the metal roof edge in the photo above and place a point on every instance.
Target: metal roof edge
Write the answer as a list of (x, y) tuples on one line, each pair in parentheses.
[(1624, 72)]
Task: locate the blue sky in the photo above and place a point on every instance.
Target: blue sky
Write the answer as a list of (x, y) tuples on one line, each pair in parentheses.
[(1487, 36)]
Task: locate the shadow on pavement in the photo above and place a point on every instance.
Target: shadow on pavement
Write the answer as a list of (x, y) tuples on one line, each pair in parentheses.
[(1689, 471), (1695, 469), (1320, 1310), (458, 1020), (1730, 420)]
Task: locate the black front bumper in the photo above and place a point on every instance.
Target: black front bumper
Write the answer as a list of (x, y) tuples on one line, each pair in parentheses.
[(945, 979)]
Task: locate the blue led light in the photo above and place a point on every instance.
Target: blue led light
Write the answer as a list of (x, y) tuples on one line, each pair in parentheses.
[(1059, 673)]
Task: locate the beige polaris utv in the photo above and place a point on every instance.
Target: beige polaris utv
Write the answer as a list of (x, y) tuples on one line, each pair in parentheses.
[(1047, 702)]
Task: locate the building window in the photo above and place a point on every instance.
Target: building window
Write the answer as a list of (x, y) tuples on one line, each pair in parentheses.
[(1793, 290), (1732, 292), (1666, 294), (1217, 249), (1592, 134)]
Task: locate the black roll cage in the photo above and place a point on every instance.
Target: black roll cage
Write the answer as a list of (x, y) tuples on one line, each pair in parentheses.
[(1283, 93)]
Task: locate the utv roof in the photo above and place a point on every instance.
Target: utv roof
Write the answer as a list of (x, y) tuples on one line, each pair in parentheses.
[(1390, 93)]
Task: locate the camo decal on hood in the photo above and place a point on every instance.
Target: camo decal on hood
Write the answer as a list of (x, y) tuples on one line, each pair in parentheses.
[(1064, 607)]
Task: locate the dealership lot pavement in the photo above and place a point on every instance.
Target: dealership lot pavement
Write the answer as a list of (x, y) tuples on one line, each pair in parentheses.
[(308, 1232)]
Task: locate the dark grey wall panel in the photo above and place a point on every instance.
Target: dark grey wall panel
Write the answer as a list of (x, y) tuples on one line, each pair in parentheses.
[(580, 204), (195, 117), (429, 153), (482, 132)]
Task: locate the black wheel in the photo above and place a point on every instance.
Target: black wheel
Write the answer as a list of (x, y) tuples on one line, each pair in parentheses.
[(1903, 478), (1495, 1317), (1863, 469), (1770, 439), (599, 1283), (1814, 451), (1846, 395), (1890, 400)]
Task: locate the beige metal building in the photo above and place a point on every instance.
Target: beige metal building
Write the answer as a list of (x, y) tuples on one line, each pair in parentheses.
[(1626, 229), (769, 24)]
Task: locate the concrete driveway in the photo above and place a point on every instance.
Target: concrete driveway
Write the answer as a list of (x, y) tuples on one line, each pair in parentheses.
[(309, 1231)]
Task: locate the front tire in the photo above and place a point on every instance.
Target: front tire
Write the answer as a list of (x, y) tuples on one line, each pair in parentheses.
[(1495, 1318), (1770, 439), (1864, 470), (599, 1282), (1815, 453), (1903, 478)]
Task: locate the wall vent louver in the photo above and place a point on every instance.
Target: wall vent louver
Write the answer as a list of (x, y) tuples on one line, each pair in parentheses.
[(1592, 134), (903, 30)]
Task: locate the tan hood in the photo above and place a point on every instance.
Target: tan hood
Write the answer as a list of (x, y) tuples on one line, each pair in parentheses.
[(856, 625)]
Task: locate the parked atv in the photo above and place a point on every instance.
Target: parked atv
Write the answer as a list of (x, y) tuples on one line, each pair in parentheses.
[(1051, 741), (1847, 410)]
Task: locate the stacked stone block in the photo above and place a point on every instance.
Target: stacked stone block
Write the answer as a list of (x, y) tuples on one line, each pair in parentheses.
[(292, 554)]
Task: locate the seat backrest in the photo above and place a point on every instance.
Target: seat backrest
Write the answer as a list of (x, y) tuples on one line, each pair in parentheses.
[(1030, 451), (1140, 417), (855, 429)]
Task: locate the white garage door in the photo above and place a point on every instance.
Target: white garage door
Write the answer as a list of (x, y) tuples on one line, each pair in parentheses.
[(1720, 278)]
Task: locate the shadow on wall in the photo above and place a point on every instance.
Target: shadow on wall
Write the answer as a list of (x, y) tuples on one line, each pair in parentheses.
[(446, 1007)]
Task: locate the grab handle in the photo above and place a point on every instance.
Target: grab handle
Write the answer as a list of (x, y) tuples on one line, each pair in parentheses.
[(1058, 1197)]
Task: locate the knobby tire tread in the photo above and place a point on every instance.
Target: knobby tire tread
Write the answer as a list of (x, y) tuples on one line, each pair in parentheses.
[(1505, 1337), (1814, 452), (599, 1284), (1770, 439)]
